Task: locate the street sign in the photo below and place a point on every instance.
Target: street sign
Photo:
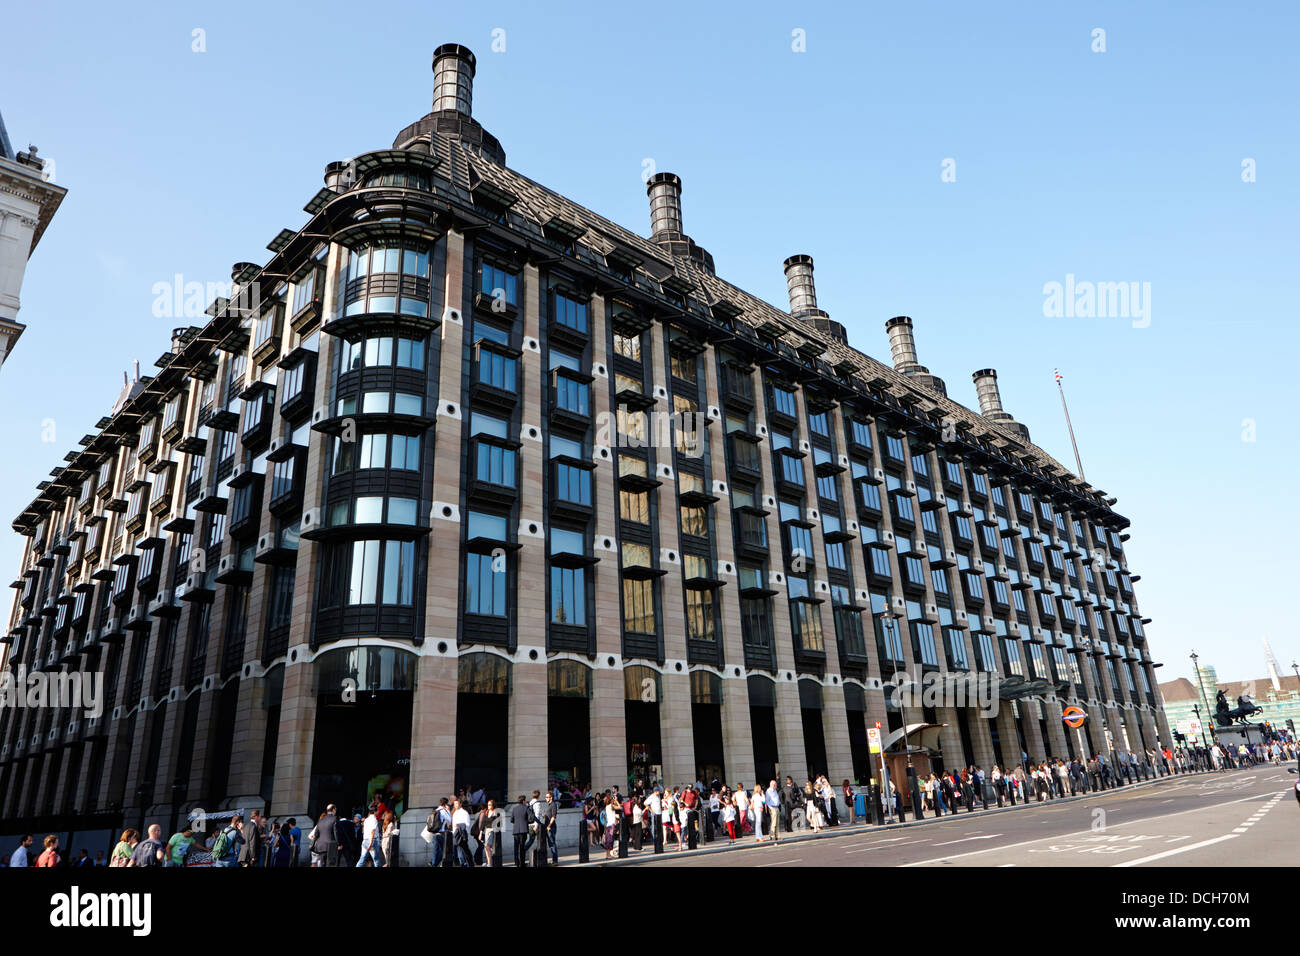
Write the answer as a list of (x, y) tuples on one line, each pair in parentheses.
[(873, 739), (1073, 716)]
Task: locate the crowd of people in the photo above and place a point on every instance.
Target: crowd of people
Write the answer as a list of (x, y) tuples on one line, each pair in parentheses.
[(468, 829)]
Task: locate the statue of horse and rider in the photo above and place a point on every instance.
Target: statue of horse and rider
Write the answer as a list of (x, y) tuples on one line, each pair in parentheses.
[(1226, 716)]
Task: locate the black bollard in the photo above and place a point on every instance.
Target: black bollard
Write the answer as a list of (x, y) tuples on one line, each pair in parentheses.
[(658, 827), (693, 829), (584, 839), (622, 837), (708, 825)]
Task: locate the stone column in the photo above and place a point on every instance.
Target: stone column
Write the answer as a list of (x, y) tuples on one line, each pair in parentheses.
[(528, 757)]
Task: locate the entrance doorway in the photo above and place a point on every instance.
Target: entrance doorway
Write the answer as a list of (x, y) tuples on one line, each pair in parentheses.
[(706, 726), (762, 722), (482, 724), (362, 747), (568, 724), (814, 734), (642, 689)]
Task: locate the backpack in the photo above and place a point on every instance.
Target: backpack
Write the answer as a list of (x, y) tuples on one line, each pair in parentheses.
[(434, 823), (222, 847)]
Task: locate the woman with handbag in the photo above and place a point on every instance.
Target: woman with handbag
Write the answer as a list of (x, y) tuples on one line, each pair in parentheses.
[(485, 831)]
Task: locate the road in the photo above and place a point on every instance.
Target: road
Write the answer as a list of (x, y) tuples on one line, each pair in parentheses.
[(1247, 816)]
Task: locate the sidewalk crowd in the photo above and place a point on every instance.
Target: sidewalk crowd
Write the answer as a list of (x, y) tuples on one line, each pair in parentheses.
[(469, 829)]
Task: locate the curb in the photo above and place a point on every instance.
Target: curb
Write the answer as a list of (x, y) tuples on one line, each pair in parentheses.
[(858, 829)]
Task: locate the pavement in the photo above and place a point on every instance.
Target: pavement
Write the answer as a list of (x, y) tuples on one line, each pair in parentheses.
[(1208, 819)]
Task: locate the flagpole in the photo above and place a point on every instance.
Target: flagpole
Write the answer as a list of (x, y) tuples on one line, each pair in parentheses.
[(1060, 388)]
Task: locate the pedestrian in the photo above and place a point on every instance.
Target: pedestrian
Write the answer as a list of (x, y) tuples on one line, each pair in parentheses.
[(150, 851), (326, 842), (348, 834), (772, 803), (20, 855), (547, 823), (179, 846), (294, 841), (486, 832), (609, 819), (254, 833), (125, 847), (50, 855), (521, 818), (388, 840), (460, 824), (226, 849), (370, 839), (757, 811)]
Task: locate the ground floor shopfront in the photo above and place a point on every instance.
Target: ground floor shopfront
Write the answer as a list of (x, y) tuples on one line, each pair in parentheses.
[(347, 723)]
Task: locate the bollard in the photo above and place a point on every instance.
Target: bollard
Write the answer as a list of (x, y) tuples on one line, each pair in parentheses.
[(658, 828), (584, 839), (622, 837)]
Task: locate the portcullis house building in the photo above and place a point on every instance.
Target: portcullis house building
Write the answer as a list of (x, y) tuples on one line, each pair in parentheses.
[(467, 485)]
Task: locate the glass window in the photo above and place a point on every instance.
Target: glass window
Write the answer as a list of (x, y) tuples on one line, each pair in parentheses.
[(485, 585)]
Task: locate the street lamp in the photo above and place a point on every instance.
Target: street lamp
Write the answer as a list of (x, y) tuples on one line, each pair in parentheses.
[(890, 622), (1201, 684)]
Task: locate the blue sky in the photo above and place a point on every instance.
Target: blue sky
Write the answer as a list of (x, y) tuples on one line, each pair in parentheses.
[(1115, 166)]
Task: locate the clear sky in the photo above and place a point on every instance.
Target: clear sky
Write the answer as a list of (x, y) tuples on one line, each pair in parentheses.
[(1117, 166)]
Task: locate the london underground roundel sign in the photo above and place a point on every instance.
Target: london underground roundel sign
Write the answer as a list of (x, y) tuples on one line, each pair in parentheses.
[(1073, 716)]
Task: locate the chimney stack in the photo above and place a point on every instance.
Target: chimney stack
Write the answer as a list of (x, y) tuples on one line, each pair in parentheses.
[(986, 390), (178, 340), (665, 192), (453, 79), (990, 401), (799, 282), (803, 298), (902, 345)]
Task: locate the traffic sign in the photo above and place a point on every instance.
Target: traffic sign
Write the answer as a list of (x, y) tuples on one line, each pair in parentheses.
[(1073, 716), (873, 739)]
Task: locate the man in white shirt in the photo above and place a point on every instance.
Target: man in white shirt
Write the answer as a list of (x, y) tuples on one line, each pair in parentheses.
[(370, 840), (654, 805), (19, 857)]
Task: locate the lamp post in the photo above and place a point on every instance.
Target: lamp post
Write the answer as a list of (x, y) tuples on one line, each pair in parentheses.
[(1201, 684), (890, 622)]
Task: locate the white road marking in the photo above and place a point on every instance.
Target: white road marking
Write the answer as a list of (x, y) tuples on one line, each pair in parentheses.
[(968, 839), (875, 843), (870, 848), (780, 863), (1177, 850), (1065, 836)]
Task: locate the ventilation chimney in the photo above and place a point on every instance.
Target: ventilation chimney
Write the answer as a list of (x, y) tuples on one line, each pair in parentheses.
[(803, 298), (902, 345), (665, 192), (337, 176), (799, 281), (450, 118), (453, 79), (990, 400), (178, 340)]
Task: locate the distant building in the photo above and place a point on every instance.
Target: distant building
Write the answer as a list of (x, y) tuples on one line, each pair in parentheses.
[(1181, 695), (27, 204)]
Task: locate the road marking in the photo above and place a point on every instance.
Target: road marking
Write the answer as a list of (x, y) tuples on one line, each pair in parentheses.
[(876, 843), (1177, 850), (968, 839), (780, 863), (1065, 836), (1003, 865), (870, 848)]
